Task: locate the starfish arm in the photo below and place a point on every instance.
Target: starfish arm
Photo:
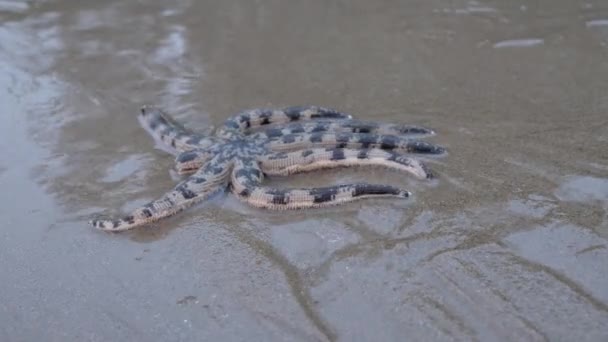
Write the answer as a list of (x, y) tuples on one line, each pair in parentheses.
[(343, 126), (192, 190), (259, 117), (170, 135), (293, 142), (247, 177), (286, 163)]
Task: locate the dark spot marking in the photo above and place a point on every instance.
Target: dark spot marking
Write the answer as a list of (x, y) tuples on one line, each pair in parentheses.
[(248, 173), (146, 212), (306, 153), (153, 124), (265, 113), (343, 138), (198, 180), (322, 195), (316, 137), (297, 129), (288, 139), (362, 154), (186, 193), (276, 192), (274, 132), (388, 142), (129, 219), (424, 147), (265, 116), (245, 193), (320, 128), (294, 113), (365, 143), (280, 199), (338, 154), (374, 189), (173, 143), (244, 118), (242, 173), (216, 169), (366, 140), (186, 157), (329, 113), (413, 130), (170, 201)]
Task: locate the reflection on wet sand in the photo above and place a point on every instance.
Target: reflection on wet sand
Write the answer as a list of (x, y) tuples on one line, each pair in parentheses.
[(509, 244)]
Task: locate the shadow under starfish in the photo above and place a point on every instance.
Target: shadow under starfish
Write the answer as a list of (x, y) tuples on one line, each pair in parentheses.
[(299, 139)]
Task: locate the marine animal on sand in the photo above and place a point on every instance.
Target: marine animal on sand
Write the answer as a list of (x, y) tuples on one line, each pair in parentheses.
[(297, 139)]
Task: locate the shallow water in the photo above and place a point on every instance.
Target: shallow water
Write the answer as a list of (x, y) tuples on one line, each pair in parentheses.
[(511, 243)]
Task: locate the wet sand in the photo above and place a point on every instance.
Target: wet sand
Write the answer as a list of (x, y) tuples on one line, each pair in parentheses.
[(510, 243)]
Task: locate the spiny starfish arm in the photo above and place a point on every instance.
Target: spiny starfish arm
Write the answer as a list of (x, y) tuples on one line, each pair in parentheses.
[(259, 117), (171, 135), (286, 163), (192, 190), (190, 161), (247, 176), (293, 142), (342, 126)]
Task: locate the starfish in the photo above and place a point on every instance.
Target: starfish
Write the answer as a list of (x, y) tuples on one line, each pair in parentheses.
[(298, 139)]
